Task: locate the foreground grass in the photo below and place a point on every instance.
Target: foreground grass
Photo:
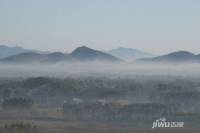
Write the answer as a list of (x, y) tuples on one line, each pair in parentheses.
[(20, 128), (48, 127)]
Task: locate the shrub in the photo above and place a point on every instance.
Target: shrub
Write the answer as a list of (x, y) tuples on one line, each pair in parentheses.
[(20, 128), (18, 103)]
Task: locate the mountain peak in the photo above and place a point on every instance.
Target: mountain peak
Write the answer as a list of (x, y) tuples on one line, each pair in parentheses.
[(179, 55), (129, 54), (174, 57), (87, 54), (182, 53), (83, 49)]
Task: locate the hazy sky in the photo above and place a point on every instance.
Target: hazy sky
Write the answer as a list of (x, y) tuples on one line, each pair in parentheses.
[(157, 26)]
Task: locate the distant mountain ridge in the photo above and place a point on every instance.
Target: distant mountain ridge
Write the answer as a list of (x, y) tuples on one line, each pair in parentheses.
[(32, 57), (87, 54), (6, 51), (129, 54), (80, 54), (174, 57)]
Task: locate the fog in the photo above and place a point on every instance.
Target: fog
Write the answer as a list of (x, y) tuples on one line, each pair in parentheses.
[(98, 69)]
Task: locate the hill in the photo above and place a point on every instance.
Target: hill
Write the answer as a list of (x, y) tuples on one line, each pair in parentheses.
[(129, 54), (174, 57), (6, 51), (80, 54), (87, 54)]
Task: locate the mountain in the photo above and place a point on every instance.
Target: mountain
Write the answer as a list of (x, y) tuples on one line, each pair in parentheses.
[(6, 51), (87, 54), (56, 57), (129, 54), (79, 54), (23, 57), (32, 57), (174, 57)]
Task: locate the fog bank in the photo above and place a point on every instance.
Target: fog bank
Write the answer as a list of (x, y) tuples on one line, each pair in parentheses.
[(98, 69)]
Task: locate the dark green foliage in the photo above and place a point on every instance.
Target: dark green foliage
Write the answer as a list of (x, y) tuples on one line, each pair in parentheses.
[(36, 82), (115, 112), (20, 128), (17, 103), (164, 94)]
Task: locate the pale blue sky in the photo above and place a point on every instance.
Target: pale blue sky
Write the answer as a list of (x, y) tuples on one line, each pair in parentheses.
[(157, 26)]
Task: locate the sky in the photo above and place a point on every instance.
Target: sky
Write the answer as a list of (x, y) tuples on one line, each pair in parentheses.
[(155, 26)]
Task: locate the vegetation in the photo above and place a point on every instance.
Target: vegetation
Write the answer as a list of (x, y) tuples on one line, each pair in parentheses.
[(114, 101), (20, 128), (17, 103)]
